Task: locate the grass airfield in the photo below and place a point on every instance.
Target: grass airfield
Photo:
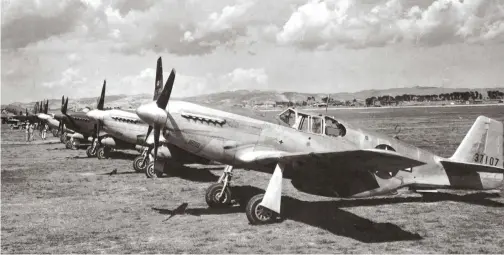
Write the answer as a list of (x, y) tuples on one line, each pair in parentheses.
[(55, 200)]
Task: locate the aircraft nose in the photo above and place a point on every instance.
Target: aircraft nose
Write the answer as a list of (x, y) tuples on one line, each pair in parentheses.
[(96, 114), (43, 116), (152, 114)]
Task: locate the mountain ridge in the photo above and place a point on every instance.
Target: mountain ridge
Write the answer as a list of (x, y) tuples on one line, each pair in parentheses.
[(251, 97)]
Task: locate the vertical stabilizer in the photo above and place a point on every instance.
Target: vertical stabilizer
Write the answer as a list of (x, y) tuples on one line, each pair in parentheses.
[(483, 144)]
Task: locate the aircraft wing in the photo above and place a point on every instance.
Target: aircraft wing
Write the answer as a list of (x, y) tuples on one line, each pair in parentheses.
[(360, 160)]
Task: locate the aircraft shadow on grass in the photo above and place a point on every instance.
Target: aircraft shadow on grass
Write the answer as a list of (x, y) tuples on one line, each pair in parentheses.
[(113, 155), (202, 174), (329, 216)]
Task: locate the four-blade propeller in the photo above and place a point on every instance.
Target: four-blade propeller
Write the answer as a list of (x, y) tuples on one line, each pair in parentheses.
[(155, 113)]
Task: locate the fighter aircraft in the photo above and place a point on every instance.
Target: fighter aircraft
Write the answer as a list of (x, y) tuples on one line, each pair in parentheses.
[(21, 114), (76, 126), (122, 129), (321, 155), (45, 117)]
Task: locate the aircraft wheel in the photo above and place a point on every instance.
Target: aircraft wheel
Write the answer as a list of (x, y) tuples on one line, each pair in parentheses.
[(212, 196), (68, 144), (103, 152), (151, 172), (139, 164), (257, 214), (74, 145), (89, 151)]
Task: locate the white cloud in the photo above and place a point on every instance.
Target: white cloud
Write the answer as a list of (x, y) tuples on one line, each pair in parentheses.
[(324, 25), (241, 78), (69, 78), (227, 19)]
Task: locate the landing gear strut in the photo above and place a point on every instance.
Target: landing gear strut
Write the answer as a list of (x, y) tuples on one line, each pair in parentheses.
[(91, 149), (219, 194)]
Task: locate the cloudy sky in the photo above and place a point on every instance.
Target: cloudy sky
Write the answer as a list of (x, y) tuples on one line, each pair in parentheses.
[(56, 47)]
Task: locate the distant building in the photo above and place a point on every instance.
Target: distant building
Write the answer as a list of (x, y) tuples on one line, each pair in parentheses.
[(266, 104), (282, 103)]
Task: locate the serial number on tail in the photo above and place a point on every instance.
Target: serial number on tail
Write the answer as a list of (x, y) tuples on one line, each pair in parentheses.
[(484, 159)]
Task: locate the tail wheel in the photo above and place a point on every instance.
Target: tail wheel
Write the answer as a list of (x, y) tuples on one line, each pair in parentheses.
[(139, 164), (257, 214), (90, 152), (151, 172), (213, 198)]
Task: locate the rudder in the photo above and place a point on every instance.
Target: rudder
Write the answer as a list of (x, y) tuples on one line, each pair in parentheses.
[(482, 144)]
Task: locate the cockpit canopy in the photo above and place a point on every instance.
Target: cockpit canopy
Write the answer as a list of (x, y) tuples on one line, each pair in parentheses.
[(312, 123)]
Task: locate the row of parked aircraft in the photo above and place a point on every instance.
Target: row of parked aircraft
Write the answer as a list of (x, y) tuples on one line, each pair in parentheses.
[(319, 154)]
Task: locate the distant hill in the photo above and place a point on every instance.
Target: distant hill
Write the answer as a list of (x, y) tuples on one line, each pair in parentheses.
[(251, 97)]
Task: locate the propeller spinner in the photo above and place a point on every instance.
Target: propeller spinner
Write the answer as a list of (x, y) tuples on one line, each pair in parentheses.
[(155, 113)]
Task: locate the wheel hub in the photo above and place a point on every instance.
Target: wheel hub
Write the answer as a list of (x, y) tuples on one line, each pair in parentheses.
[(218, 197), (262, 213)]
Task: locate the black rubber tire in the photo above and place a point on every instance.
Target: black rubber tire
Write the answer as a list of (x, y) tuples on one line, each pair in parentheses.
[(103, 152), (212, 193), (68, 144), (253, 211), (89, 152), (138, 166), (151, 172)]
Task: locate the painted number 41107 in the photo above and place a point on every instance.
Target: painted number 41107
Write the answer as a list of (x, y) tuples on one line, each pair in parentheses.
[(484, 159)]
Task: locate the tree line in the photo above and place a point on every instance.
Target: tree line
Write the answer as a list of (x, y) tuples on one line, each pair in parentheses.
[(454, 96)]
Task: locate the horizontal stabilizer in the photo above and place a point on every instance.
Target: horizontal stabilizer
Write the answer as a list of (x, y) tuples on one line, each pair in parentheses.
[(470, 167)]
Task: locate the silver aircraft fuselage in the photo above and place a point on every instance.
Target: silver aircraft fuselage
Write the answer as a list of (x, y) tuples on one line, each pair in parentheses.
[(229, 138)]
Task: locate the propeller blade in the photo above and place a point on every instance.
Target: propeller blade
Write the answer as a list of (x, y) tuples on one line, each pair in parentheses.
[(60, 126), (158, 86), (157, 132), (148, 132), (101, 102), (162, 101), (65, 107)]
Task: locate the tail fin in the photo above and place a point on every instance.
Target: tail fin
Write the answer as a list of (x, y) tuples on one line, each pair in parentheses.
[(482, 144), (158, 86), (46, 108), (101, 101)]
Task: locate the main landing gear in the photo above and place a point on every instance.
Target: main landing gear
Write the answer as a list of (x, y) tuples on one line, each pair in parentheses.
[(103, 152), (72, 144), (257, 214), (219, 195), (140, 163), (151, 171), (91, 149)]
